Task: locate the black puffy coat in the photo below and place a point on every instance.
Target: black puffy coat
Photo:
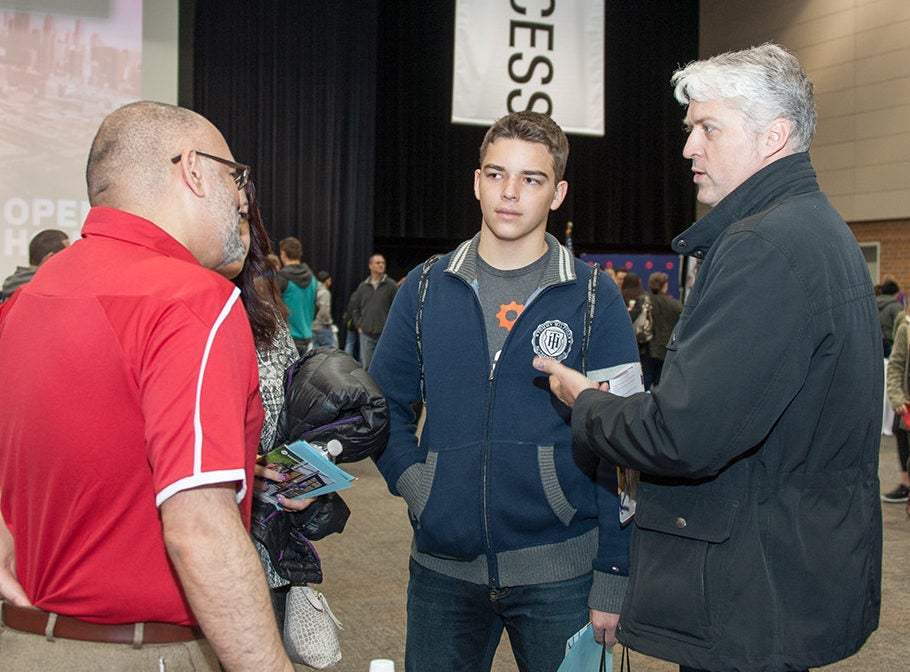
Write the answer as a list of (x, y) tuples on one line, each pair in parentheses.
[(286, 535), (328, 396)]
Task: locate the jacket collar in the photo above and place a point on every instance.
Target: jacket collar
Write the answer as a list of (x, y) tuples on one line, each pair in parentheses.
[(560, 267), (786, 177), (369, 280)]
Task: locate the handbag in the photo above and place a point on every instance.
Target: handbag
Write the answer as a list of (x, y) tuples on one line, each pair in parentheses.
[(643, 325), (310, 629)]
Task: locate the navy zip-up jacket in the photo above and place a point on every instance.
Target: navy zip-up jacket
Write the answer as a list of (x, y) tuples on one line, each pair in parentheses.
[(496, 494)]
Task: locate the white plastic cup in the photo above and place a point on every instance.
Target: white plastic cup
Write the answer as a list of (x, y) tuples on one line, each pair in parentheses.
[(382, 665)]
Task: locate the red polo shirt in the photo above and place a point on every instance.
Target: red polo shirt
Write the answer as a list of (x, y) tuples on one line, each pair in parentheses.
[(128, 374)]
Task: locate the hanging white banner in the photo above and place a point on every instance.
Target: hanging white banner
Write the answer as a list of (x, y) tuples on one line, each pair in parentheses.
[(541, 55)]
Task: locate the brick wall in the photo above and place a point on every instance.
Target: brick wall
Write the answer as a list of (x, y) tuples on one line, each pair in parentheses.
[(893, 237)]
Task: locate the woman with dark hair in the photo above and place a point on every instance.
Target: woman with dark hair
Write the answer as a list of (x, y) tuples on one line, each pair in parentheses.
[(275, 352), (275, 349), (631, 290)]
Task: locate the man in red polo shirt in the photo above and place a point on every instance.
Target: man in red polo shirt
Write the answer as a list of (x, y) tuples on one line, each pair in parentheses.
[(130, 421)]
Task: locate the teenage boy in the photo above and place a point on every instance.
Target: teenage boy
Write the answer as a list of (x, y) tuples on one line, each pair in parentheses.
[(511, 530)]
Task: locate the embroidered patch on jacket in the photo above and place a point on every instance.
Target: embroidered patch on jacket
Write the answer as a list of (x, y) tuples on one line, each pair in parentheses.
[(552, 339)]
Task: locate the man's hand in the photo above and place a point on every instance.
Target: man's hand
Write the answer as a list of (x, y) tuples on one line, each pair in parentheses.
[(10, 588), (565, 383), (604, 626)]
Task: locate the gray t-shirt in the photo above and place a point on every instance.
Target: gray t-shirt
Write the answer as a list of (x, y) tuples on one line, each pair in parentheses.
[(503, 295)]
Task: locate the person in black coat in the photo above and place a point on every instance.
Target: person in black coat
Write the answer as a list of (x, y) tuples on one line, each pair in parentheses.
[(758, 534), (665, 312)]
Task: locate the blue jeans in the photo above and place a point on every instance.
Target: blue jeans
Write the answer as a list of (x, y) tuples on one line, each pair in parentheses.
[(367, 346), (352, 344), (324, 336), (455, 625)]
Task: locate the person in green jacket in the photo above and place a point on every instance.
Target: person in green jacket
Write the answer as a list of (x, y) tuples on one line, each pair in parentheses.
[(298, 290)]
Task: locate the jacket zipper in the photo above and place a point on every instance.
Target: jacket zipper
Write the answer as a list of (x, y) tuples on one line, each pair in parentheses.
[(492, 562), (492, 565)]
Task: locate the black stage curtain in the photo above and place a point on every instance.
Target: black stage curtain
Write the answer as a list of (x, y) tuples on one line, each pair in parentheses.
[(343, 110), (630, 190), (291, 84)]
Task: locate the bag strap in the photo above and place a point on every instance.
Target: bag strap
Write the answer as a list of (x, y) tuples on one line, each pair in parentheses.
[(625, 662), (589, 315), (418, 325)]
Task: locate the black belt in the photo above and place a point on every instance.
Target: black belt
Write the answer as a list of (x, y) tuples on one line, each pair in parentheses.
[(35, 621)]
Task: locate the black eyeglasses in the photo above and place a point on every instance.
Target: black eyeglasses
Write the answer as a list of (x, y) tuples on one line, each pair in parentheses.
[(242, 171)]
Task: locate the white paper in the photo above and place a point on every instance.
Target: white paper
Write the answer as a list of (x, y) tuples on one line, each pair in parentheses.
[(624, 379)]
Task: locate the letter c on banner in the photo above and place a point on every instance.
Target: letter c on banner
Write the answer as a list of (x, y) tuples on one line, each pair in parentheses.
[(524, 10)]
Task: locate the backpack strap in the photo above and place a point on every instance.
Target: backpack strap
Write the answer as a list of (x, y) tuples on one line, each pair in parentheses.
[(418, 326), (590, 305), (589, 315)]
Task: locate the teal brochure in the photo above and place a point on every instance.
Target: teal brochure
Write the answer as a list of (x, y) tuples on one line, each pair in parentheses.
[(306, 471), (583, 654)]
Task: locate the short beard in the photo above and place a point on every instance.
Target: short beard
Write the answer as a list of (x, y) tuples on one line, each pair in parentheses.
[(231, 244)]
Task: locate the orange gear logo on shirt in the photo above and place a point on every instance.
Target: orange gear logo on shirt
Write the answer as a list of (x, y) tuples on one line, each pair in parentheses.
[(508, 313)]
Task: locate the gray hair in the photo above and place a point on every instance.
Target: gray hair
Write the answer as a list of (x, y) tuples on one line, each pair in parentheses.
[(131, 152), (764, 83)]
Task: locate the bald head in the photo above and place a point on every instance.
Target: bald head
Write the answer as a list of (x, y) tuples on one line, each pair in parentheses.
[(129, 161), (172, 167)]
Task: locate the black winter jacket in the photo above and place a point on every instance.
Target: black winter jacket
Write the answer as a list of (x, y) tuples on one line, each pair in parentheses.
[(369, 306), (758, 532), (665, 312), (329, 396)]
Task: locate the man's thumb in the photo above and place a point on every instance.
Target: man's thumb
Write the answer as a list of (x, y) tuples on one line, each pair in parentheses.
[(543, 364)]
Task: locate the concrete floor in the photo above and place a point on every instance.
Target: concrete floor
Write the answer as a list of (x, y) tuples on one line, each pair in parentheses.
[(365, 571)]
